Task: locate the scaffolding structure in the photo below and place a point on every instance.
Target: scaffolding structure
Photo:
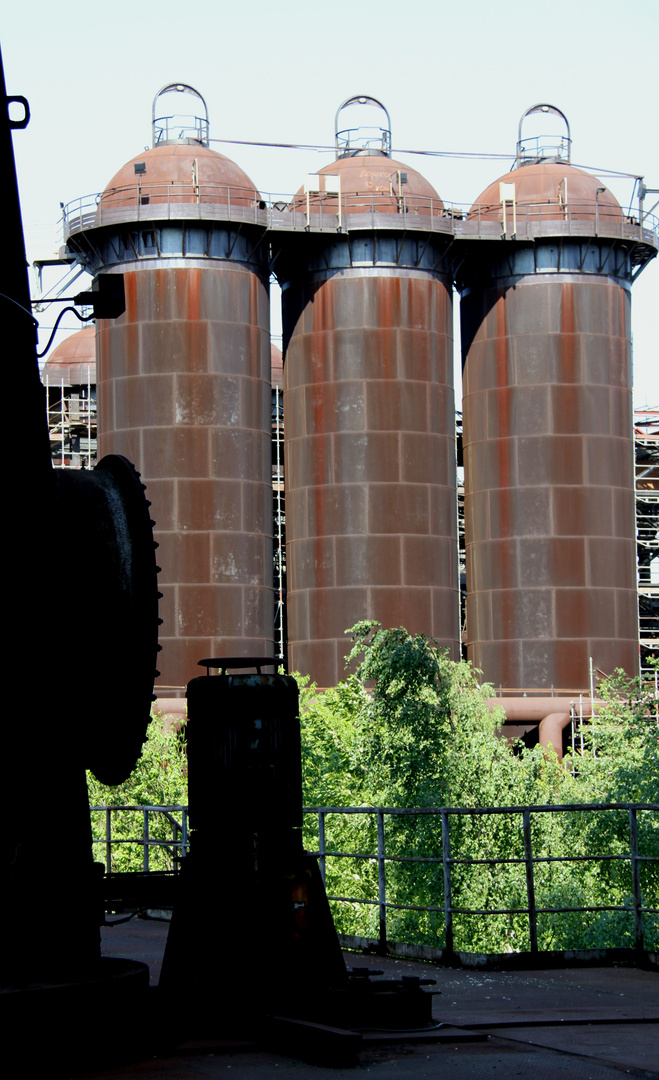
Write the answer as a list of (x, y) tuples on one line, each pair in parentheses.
[(72, 421), (462, 547), (646, 441), (279, 521)]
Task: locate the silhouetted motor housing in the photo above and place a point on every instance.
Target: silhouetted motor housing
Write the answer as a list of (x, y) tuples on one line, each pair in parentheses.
[(548, 440), (369, 415)]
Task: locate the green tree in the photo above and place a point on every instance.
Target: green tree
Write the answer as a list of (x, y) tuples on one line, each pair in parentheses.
[(158, 779), (410, 728)]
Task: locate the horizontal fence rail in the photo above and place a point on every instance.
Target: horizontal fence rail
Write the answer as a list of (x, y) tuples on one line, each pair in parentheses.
[(636, 904), (383, 840), (163, 829)]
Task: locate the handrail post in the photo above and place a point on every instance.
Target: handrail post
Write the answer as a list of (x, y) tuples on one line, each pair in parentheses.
[(321, 844), (446, 868), (145, 840), (108, 841), (382, 888), (184, 833), (530, 886), (636, 878)]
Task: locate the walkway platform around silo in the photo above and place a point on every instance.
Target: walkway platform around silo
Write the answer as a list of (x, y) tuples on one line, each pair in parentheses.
[(592, 1022)]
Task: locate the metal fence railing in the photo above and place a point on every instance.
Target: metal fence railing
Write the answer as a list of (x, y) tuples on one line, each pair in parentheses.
[(161, 831), (453, 853), (637, 906)]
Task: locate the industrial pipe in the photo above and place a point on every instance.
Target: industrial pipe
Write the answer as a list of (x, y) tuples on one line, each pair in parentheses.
[(551, 714)]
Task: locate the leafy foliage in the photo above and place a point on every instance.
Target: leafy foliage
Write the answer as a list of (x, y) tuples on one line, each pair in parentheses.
[(410, 728), (158, 779)]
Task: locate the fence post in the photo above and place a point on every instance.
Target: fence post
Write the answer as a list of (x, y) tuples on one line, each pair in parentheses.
[(145, 840), (382, 887), (636, 877), (321, 843), (446, 867), (184, 833), (108, 841), (530, 886)]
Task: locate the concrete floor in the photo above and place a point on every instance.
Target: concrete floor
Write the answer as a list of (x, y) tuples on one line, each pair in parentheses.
[(596, 1023)]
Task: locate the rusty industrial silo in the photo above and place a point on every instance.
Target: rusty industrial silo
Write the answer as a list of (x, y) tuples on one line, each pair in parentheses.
[(548, 438), (369, 404), (184, 380)]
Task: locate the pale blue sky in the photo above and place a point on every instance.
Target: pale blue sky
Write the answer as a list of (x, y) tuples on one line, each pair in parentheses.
[(454, 78)]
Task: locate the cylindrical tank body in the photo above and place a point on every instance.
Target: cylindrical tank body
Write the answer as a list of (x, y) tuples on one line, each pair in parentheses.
[(184, 390), (369, 418), (548, 440)]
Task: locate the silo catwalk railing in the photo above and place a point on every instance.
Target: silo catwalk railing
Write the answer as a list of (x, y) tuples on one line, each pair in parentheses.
[(284, 212)]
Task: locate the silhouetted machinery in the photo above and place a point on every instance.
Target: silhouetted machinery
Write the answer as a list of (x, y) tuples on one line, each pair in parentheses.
[(252, 945), (82, 652), (81, 616)]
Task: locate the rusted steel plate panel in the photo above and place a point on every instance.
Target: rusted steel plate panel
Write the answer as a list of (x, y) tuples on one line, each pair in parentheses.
[(370, 463), (184, 390), (549, 508)]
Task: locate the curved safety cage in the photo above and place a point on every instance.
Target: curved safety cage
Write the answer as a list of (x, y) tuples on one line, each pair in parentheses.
[(179, 127), (543, 147), (355, 140)]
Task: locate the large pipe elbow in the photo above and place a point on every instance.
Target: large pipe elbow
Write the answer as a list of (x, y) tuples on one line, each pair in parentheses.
[(551, 714)]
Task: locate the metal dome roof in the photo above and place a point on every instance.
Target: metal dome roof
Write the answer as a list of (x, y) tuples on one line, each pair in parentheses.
[(189, 172), (374, 181), (544, 182), (555, 188), (368, 179), (74, 359)]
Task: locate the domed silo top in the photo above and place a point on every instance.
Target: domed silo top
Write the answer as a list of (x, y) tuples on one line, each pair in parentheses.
[(366, 177), (73, 362), (180, 168), (175, 174), (544, 186)]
